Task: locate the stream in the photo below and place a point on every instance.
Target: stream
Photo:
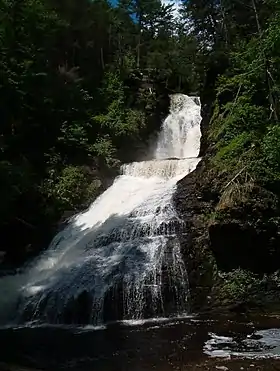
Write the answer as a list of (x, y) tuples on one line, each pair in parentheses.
[(111, 293), (190, 343)]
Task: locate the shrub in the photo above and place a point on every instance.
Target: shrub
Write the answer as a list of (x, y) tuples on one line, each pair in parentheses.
[(73, 189)]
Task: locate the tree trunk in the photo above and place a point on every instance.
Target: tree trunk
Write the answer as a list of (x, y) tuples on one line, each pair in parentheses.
[(102, 58), (257, 17)]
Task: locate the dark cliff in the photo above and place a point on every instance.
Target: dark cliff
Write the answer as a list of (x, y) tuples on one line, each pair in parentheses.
[(231, 241)]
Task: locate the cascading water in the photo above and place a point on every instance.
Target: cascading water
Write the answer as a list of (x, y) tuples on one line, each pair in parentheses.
[(121, 258), (180, 134)]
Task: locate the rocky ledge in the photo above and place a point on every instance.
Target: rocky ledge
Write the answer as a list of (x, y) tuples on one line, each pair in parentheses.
[(231, 247), (231, 241)]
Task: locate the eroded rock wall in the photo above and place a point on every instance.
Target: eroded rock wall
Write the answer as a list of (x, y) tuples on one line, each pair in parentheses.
[(231, 244)]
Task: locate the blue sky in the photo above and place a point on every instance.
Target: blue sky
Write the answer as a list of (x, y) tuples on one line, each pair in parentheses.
[(164, 1)]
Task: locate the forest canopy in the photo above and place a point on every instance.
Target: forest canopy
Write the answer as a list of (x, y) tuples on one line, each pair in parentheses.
[(84, 86)]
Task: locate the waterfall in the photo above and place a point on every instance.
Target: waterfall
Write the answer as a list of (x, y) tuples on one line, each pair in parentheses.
[(180, 134), (121, 258)]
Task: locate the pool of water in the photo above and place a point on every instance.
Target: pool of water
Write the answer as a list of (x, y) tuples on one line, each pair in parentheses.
[(186, 343)]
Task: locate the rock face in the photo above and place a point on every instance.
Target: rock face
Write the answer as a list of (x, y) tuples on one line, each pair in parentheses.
[(231, 245), (192, 206)]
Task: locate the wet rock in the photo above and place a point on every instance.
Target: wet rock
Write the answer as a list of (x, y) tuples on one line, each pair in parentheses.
[(191, 205), (231, 256), (231, 249)]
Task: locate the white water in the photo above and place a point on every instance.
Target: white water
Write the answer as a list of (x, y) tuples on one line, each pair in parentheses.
[(124, 250), (180, 140)]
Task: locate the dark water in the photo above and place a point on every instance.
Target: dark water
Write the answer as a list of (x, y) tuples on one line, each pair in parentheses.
[(244, 343)]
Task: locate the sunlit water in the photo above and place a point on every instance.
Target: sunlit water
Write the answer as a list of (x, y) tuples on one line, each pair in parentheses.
[(121, 258), (111, 292)]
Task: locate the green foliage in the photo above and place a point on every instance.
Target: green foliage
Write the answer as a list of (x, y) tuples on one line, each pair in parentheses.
[(236, 153), (268, 166), (79, 89), (241, 287), (117, 122), (245, 125), (104, 148), (237, 285), (271, 147), (72, 189), (81, 83)]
